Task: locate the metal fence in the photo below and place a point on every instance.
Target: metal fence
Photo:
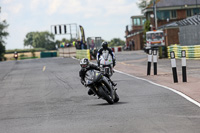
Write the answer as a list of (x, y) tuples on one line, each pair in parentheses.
[(189, 35)]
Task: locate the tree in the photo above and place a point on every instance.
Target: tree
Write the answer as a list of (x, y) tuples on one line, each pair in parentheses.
[(3, 34), (29, 39), (40, 40), (116, 42), (144, 3), (2, 51), (146, 28)]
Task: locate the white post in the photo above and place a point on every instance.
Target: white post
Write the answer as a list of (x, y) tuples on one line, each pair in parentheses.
[(149, 62), (155, 60), (183, 59), (173, 63)]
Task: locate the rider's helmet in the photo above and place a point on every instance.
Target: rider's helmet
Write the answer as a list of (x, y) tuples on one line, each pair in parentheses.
[(104, 45), (84, 63)]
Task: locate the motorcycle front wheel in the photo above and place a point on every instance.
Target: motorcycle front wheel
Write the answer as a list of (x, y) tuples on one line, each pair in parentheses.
[(116, 97), (105, 95)]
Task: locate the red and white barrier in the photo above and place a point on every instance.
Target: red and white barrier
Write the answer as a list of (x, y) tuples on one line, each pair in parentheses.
[(116, 49)]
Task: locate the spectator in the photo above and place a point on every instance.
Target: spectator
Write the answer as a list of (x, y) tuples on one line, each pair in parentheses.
[(68, 44), (82, 44), (78, 45), (74, 43), (130, 45), (85, 46), (133, 45), (62, 45), (92, 45)]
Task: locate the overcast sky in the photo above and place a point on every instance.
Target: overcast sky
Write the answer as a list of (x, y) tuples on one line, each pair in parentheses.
[(105, 18)]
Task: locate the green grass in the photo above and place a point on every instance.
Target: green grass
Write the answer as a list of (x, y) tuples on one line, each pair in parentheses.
[(25, 50), (23, 58)]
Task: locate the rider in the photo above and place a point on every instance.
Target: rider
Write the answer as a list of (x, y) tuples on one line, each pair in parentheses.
[(85, 66), (105, 47), (15, 55)]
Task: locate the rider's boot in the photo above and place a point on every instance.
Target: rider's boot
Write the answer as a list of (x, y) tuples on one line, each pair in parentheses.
[(90, 92)]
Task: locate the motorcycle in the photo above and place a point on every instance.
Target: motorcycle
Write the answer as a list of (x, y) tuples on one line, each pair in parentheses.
[(101, 86), (106, 63), (16, 56)]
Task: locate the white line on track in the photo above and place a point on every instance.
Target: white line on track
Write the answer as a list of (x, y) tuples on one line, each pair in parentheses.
[(177, 92), (44, 68)]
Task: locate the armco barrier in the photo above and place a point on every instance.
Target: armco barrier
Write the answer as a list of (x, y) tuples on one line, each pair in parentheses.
[(83, 54), (48, 54), (191, 51)]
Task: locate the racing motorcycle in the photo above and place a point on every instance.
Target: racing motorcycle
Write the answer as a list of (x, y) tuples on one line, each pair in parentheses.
[(15, 56), (106, 63), (101, 86)]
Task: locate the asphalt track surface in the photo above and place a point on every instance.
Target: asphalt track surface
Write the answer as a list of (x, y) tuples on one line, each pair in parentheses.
[(46, 96)]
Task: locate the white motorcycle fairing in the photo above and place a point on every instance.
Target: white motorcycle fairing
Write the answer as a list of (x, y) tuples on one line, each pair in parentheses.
[(106, 63)]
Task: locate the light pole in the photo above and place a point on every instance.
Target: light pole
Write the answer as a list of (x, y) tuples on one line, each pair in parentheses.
[(0, 12), (196, 3), (196, 8), (155, 14)]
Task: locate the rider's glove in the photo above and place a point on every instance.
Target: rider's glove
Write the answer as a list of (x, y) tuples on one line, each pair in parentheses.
[(83, 83)]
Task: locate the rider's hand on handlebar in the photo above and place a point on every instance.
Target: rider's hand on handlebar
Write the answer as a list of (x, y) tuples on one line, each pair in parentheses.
[(82, 82)]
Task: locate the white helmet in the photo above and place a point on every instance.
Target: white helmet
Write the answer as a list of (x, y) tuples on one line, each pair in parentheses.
[(84, 63)]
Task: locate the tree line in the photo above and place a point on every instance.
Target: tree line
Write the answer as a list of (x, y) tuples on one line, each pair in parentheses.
[(3, 35)]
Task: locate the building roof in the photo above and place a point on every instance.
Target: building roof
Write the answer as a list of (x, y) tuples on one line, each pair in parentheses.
[(173, 4), (173, 24), (170, 3), (138, 16), (194, 20)]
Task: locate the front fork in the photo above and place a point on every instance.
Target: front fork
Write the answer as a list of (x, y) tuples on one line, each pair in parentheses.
[(109, 89)]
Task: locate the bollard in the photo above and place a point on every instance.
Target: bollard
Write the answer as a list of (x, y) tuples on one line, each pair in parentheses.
[(183, 59), (155, 59), (149, 62), (173, 63)]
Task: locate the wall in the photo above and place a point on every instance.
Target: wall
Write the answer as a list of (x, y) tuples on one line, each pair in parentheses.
[(172, 36), (67, 52), (138, 39), (181, 14), (136, 29), (189, 35)]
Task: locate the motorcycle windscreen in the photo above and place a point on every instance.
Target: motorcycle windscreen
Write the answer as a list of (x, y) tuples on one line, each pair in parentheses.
[(105, 58), (89, 76), (92, 76)]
